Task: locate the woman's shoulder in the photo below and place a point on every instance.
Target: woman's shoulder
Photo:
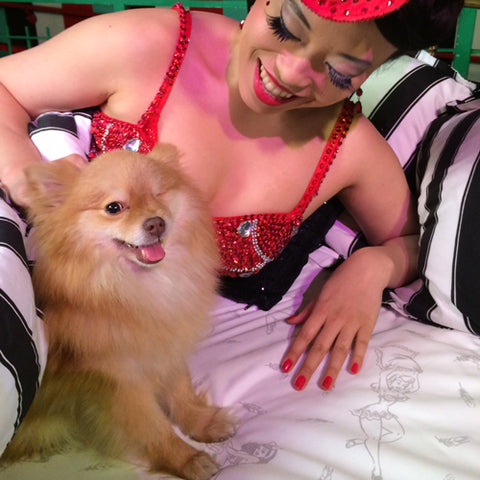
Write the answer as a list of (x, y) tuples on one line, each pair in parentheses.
[(367, 155), (148, 36), (142, 30), (364, 154), (363, 139), (155, 25), (133, 31)]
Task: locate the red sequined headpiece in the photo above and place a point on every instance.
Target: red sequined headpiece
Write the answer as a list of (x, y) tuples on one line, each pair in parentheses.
[(353, 10)]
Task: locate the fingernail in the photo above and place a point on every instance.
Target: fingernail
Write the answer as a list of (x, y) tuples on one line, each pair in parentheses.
[(354, 368), (300, 382), (327, 382), (287, 365)]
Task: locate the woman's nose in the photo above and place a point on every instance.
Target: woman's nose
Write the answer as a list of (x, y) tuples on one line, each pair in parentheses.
[(296, 72)]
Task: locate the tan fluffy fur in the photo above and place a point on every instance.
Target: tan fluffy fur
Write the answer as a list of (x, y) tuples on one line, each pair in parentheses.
[(119, 330)]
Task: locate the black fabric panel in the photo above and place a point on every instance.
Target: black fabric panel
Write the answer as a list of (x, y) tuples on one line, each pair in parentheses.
[(267, 287)]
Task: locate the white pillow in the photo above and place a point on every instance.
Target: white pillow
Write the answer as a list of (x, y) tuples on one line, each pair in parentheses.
[(448, 176), (23, 348)]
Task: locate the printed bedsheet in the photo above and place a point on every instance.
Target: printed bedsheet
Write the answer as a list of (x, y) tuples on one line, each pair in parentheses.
[(413, 411)]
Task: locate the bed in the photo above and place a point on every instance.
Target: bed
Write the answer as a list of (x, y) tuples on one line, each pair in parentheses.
[(413, 411)]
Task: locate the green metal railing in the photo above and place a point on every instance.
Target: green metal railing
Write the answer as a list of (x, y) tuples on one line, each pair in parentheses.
[(232, 8), (463, 51), (228, 6)]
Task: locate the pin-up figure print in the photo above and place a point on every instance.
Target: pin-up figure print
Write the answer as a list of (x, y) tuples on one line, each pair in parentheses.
[(227, 454), (398, 378)]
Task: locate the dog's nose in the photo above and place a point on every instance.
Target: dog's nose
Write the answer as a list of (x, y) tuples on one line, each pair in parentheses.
[(154, 226)]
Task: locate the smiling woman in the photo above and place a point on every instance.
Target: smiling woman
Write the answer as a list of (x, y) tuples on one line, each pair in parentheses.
[(295, 13), (262, 118), (319, 62)]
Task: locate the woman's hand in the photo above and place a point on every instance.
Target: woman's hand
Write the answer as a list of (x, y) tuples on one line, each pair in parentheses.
[(14, 179), (14, 182), (340, 320)]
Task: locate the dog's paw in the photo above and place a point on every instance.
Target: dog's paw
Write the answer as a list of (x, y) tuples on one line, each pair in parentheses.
[(200, 467), (220, 426)]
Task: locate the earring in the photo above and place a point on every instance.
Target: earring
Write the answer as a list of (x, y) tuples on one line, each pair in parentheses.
[(241, 23), (358, 104)]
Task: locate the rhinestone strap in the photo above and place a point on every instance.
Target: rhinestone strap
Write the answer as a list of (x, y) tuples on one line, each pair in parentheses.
[(111, 134), (149, 120), (329, 153), (248, 242)]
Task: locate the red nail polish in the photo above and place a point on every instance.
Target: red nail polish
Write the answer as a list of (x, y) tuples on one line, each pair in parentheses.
[(287, 365), (327, 382), (354, 368), (300, 382)]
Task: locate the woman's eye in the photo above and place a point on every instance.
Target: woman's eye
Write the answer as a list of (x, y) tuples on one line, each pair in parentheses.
[(277, 25), (114, 208), (339, 79)]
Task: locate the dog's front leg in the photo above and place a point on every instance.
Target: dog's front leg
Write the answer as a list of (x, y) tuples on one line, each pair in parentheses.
[(194, 415), (146, 430)]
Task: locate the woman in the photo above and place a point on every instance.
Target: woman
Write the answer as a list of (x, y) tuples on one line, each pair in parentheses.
[(252, 108)]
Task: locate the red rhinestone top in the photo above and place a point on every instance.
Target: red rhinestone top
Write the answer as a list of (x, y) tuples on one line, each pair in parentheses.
[(246, 242), (249, 242)]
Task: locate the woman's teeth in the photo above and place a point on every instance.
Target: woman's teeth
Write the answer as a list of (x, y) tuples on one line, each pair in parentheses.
[(270, 87)]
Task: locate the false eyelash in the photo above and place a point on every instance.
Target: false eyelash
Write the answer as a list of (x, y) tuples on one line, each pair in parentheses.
[(339, 79), (279, 29)]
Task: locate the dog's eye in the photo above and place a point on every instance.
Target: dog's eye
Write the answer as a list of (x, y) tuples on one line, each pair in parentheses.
[(114, 208)]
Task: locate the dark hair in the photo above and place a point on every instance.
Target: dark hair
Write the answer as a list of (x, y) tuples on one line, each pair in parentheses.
[(420, 23)]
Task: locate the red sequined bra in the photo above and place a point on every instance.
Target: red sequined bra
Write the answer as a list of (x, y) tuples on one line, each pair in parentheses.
[(246, 242)]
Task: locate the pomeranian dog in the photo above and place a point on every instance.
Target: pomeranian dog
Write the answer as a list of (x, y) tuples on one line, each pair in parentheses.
[(126, 274)]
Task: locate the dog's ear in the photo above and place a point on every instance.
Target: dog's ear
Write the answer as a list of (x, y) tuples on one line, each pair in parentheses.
[(48, 182), (166, 153)]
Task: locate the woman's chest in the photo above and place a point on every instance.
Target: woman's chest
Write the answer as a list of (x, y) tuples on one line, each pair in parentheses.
[(245, 175)]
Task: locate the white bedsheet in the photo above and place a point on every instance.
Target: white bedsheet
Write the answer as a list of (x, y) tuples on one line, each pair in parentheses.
[(412, 412)]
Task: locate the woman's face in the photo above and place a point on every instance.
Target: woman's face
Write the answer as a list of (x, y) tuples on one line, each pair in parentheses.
[(288, 57)]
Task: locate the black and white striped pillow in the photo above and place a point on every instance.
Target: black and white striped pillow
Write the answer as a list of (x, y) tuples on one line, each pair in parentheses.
[(402, 98), (448, 177), (23, 348), (58, 134)]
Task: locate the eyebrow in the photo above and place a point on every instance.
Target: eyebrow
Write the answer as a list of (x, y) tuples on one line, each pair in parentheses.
[(298, 11)]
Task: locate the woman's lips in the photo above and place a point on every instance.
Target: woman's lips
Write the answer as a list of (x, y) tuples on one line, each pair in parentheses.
[(268, 90)]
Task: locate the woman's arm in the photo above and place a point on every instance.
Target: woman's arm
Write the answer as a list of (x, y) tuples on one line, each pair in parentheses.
[(16, 149), (106, 60), (340, 321)]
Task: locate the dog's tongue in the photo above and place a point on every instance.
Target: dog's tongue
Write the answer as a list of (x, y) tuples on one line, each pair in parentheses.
[(150, 253)]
